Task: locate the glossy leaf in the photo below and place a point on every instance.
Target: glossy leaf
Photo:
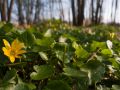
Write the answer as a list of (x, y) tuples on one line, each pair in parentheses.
[(79, 51), (44, 41), (106, 52), (48, 33), (74, 72), (42, 72), (64, 57), (96, 44), (43, 55)]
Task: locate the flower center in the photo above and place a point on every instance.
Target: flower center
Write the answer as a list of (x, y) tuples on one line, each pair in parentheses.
[(12, 53)]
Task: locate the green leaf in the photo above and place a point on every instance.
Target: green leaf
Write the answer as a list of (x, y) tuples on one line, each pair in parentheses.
[(114, 63), (9, 82), (57, 85), (60, 46), (31, 86), (42, 72), (82, 83), (7, 86), (10, 76), (74, 72), (72, 38), (2, 32), (48, 33), (102, 87), (7, 27), (44, 41), (96, 44), (95, 69), (64, 57), (28, 38), (21, 86), (43, 56), (31, 29), (1, 24), (38, 48), (115, 87), (38, 34), (79, 51), (106, 52)]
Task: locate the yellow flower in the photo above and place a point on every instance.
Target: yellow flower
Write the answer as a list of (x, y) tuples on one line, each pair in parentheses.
[(14, 50), (112, 35)]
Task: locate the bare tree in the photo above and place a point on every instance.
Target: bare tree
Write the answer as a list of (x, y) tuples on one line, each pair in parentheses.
[(73, 12), (80, 15), (10, 10), (20, 12), (37, 11), (116, 6), (28, 8), (3, 10), (92, 11), (96, 11), (61, 10), (6, 9)]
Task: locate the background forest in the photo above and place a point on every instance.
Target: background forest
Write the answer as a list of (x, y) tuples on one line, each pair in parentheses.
[(72, 11), (59, 45)]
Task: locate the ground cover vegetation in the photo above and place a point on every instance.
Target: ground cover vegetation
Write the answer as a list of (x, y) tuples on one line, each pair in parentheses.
[(56, 56)]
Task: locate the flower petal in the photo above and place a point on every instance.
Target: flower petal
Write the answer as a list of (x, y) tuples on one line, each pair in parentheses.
[(6, 51), (12, 58), (16, 45), (21, 52), (6, 43), (13, 50)]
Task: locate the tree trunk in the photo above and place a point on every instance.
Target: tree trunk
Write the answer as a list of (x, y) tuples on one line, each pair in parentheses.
[(112, 10), (61, 10), (3, 10), (73, 12), (98, 12), (92, 11), (116, 6), (37, 11), (10, 10), (20, 13), (80, 16), (28, 6)]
